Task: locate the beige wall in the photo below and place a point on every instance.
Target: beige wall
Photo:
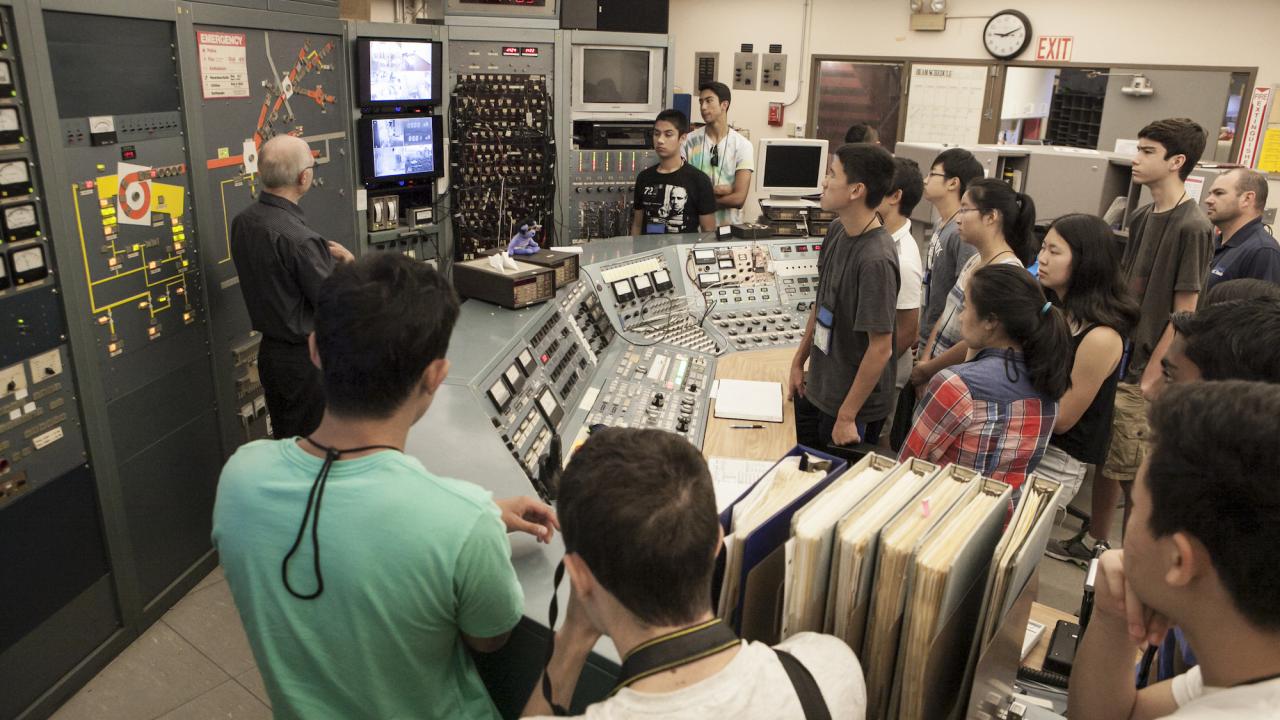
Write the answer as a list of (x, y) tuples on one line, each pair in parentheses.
[(1177, 32)]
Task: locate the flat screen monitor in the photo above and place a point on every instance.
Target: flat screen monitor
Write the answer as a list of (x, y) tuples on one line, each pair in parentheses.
[(617, 79), (791, 167), (398, 73), (401, 147)]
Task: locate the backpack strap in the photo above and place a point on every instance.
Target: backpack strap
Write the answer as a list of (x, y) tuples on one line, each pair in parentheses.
[(811, 700)]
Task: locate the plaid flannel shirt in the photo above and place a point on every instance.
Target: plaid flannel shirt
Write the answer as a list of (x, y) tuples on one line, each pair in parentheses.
[(974, 415)]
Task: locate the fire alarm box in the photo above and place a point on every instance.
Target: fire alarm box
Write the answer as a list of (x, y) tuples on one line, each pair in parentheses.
[(775, 114)]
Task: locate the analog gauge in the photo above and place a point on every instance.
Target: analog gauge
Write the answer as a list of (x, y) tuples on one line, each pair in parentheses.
[(14, 178), (4, 274), (14, 173), (9, 120), (28, 264), (101, 125), (19, 216), (20, 222), (5, 77)]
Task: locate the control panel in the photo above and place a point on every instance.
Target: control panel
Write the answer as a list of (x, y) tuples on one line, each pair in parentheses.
[(601, 190), (41, 438), (649, 303), (523, 408), (757, 294), (501, 142), (589, 315), (299, 83), (656, 387)]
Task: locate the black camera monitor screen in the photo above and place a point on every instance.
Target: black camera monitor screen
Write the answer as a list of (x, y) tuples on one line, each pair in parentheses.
[(401, 71), (404, 146)]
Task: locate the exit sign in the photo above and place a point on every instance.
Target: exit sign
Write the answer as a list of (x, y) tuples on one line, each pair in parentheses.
[(1055, 48)]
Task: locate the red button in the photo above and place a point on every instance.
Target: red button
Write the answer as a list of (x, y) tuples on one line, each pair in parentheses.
[(545, 359)]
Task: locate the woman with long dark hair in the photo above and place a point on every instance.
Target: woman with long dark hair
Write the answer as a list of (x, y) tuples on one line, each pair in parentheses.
[(994, 413), (1080, 273), (1000, 223)]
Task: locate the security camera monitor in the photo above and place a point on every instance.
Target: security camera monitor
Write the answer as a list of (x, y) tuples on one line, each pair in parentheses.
[(398, 73), (400, 148)]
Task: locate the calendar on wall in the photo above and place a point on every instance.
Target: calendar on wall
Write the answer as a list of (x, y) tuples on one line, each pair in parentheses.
[(944, 103)]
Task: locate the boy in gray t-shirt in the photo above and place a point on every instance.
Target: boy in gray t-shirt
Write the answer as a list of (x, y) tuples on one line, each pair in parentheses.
[(944, 185), (849, 339)]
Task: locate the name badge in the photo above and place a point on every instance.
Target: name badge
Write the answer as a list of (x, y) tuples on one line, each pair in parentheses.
[(822, 330)]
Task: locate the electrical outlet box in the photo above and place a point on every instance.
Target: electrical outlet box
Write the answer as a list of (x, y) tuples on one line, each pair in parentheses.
[(773, 72), (45, 366), (799, 130), (746, 70), (13, 379)]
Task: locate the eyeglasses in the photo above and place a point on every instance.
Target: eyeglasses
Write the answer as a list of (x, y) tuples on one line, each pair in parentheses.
[(937, 174), (968, 209), (715, 156)]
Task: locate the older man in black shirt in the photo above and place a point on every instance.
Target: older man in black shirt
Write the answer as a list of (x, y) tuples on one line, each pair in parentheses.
[(281, 263)]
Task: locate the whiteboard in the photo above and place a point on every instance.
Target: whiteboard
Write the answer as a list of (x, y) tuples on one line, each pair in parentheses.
[(944, 103)]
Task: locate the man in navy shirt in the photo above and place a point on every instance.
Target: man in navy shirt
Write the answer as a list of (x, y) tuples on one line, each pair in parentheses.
[(1245, 249)]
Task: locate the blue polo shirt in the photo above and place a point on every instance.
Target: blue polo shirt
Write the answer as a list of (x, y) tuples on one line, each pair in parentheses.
[(1251, 252)]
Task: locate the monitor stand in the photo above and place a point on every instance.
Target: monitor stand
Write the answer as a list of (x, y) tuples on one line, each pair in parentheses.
[(787, 202)]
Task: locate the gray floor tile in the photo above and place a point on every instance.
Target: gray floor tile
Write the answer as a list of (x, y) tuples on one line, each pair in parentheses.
[(251, 679), (209, 621), (211, 579), (157, 673), (228, 701)]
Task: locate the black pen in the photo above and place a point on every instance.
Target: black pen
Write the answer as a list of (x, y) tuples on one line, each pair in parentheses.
[(746, 427)]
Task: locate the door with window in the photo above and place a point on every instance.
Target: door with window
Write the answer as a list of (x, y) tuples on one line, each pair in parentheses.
[(848, 92)]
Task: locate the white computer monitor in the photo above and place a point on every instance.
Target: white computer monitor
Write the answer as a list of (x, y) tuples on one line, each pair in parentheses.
[(790, 167)]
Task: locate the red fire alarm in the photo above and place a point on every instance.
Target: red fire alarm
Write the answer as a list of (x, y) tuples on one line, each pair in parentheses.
[(775, 114)]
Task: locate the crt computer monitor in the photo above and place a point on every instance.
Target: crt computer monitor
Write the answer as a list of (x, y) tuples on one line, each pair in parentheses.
[(612, 79), (791, 167)]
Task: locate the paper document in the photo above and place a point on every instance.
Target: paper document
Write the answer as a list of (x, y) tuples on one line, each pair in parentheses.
[(732, 477)]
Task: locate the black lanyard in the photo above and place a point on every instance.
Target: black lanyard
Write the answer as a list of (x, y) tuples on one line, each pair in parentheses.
[(317, 494), (671, 651), (681, 648), (663, 653)]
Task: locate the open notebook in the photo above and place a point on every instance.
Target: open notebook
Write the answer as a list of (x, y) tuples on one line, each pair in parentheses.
[(810, 548), (946, 579), (951, 487), (856, 543)]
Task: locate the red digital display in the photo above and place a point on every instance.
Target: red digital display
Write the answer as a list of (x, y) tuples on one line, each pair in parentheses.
[(529, 51), (510, 51), (802, 248), (816, 248)]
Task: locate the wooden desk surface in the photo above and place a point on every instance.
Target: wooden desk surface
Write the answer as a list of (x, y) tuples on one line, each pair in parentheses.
[(775, 439)]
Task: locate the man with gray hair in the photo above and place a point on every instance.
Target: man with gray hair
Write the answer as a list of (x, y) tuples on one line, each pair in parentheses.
[(1245, 248), (281, 263)]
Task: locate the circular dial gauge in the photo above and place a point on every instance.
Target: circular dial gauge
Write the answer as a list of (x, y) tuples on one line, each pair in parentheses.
[(1007, 34), (9, 120)]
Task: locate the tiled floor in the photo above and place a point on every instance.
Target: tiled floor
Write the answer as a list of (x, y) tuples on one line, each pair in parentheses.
[(195, 663)]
